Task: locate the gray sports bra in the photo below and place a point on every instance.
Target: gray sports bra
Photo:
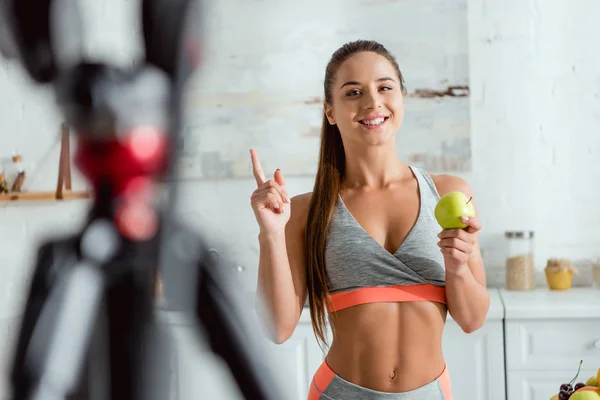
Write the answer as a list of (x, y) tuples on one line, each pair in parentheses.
[(360, 270)]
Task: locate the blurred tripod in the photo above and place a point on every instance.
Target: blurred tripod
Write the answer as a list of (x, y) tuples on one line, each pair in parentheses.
[(90, 306)]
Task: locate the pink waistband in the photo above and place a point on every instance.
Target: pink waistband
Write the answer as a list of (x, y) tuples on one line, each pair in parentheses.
[(325, 375)]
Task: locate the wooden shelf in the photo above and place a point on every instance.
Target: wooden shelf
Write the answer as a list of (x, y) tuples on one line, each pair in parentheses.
[(63, 186), (40, 196)]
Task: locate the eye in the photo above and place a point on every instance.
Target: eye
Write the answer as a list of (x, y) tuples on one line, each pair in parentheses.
[(385, 88), (353, 92)]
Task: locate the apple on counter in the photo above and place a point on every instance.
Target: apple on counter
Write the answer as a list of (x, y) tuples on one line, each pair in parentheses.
[(581, 391), (451, 207)]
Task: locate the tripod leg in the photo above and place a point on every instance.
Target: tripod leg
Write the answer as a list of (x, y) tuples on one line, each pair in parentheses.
[(93, 385), (156, 362), (65, 327), (52, 259)]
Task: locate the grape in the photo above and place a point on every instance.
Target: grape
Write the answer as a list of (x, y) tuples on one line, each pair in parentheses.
[(579, 386)]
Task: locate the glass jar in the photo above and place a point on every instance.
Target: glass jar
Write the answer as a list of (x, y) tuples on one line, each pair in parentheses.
[(559, 273), (520, 267), (596, 274)]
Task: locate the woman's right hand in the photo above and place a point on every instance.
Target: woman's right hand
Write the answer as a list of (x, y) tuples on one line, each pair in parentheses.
[(270, 200)]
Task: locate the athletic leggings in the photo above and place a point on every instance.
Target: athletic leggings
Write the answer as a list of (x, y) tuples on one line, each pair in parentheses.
[(326, 385)]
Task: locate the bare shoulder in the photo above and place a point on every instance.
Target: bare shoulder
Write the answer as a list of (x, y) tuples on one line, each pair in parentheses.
[(302, 199), (296, 230), (300, 205), (446, 183)]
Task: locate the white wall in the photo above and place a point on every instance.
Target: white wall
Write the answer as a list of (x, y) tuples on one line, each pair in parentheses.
[(535, 118)]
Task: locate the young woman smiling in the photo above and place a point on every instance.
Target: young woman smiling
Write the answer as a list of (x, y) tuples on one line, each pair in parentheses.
[(365, 248)]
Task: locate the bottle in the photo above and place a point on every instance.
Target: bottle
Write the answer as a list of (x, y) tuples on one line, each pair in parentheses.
[(520, 265), (18, 183)]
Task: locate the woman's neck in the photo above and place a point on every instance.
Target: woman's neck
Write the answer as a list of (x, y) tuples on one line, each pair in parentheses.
[(373, 167)]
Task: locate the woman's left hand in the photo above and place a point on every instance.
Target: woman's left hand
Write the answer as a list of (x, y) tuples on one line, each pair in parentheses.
[(457, 244)]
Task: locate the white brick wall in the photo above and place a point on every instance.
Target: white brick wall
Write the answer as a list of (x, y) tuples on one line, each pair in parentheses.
[(535, 118), (535, 121)]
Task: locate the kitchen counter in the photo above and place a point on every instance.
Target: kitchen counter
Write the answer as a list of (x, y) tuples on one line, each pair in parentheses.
[(543, 303), (496, 310)]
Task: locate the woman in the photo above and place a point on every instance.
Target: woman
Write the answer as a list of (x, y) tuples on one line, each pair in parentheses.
[(365, 247)]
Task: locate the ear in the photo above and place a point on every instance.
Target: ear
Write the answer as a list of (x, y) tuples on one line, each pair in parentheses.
[(329, 113)]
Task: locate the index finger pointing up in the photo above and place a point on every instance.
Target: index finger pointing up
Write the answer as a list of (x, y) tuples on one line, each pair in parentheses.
[(257, 170)]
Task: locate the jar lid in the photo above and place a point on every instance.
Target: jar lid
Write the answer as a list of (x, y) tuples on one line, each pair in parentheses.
[(557, 264), (519, 234)]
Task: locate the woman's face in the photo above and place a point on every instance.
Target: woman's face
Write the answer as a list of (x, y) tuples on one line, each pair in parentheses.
[(367, 102)]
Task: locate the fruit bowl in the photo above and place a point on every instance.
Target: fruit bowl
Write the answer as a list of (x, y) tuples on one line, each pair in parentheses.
[(590, 390)]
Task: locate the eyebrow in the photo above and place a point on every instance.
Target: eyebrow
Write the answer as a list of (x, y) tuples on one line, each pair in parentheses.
[(385, 78)]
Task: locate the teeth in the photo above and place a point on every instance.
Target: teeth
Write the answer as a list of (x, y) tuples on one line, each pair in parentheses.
[(376, 121)]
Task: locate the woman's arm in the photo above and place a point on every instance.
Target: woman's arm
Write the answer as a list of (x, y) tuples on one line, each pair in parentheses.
[(466, 292), (282, 272), (281, 286)]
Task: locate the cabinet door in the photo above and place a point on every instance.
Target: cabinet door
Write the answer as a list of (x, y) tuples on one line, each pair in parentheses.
[(299, 357), (201, 375), (198, 373), (552, 344), (475, 361), (541, 385)]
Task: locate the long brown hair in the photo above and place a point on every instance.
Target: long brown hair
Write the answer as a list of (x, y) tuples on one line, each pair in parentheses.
[(330, 174)]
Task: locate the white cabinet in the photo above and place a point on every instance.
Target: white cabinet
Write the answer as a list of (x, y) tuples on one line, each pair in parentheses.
[(198, 374), (547, 333), (540, 385), (476, 361), (201, 375), (300, 356)]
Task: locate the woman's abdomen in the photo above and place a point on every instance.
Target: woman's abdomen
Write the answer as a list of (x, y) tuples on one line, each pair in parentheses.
[(388, 347)]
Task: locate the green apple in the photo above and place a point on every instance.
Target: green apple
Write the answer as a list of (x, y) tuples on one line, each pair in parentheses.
[(593, 381), (451, 207), (585, 395)]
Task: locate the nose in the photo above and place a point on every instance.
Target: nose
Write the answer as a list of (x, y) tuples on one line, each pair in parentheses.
[(371, 100)]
